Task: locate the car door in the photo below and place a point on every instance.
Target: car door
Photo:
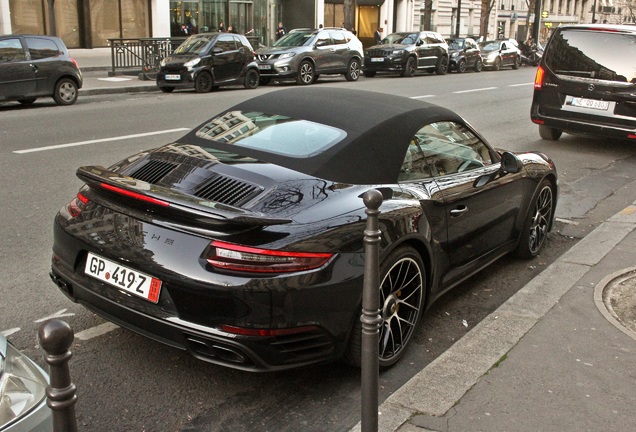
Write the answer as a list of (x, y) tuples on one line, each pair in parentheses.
[(325, 53), (17, 75), (471, 52), (480, 215), (341, 50), (506, 54), (226, 57), (45, 62)]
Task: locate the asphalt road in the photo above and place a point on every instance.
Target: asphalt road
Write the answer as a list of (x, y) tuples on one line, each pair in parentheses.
[(128, 383)]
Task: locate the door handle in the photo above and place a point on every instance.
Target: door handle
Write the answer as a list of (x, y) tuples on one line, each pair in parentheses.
[(456, 212)]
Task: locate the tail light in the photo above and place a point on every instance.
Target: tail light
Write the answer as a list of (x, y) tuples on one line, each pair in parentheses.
[(76, 206), (229, 256), (538, 78), (75, 63)]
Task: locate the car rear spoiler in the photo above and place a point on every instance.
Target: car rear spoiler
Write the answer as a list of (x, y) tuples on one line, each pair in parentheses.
[(203, 211)]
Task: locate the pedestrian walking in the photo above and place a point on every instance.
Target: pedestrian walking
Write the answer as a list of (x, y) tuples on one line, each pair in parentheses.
[(280, 30)]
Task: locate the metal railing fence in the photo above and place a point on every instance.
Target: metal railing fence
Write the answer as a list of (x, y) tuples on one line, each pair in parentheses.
[(142, 54)]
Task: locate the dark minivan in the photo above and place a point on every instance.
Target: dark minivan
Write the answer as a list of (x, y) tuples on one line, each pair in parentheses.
[(33, 66), (207, 61), (586, 82)]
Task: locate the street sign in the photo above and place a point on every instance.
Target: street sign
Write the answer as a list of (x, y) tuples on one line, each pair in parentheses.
[(545, 14)]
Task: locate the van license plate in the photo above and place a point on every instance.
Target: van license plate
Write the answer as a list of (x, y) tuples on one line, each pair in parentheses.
[(590, 103)]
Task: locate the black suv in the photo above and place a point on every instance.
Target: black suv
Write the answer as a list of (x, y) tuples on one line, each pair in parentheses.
[(586, 82), (406, 53), (32, 66), (207, 61)]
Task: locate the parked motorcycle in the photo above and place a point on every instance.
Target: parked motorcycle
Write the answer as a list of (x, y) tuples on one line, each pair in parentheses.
[(531, 55)]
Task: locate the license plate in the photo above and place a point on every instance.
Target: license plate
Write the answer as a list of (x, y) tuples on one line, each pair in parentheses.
[(264, 66), (175, 77), (377, 59), (122, 277), (590, 103)]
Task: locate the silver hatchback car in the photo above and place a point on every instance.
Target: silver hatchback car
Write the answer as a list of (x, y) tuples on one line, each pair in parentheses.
[(305, 54)]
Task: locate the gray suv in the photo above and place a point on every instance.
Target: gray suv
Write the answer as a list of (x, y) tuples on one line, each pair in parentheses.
[(305, 54), (586, 83)]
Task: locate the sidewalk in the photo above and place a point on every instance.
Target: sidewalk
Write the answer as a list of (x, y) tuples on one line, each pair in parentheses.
[(552, 358), (96, 67)]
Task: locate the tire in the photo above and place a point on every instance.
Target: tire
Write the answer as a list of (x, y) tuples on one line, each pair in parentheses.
[(537, 224), (549, 133), (369, 74), (479, 65), (65, 92), (264, 80), (517, 63), (402, 293), (409, 67), (497, 65), (27, 101), (203, 83), (442, 66), (251, 79), (306, 73), (353, 70), (461, 66), (166, 89)]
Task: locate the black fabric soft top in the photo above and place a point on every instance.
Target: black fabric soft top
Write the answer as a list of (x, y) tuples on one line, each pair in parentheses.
[(379, 128)]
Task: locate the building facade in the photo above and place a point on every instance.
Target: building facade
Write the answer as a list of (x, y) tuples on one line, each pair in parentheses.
[(90, 23)]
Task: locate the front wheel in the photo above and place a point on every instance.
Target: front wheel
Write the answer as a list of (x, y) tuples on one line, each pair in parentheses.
[(497, 65), (402, 293), (537, 224), (479, 65), (409, 67), (203, 83), (461, 66), (305, 73), (65, 92), (353, 70), (549, 133), (251, 79)]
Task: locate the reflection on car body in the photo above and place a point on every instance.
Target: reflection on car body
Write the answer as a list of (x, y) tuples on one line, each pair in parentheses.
[(500, 53), (253, 225)]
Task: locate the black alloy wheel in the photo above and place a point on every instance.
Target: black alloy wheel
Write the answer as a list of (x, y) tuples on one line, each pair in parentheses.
[(203, 83), (402, 293), (409, 67), (442, 66), (497, 65), (251, 79), (65, 92), (461, 66), (535, 229), (353, 70), (305, 73)]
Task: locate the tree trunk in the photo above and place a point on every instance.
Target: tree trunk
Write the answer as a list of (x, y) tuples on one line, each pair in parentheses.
[(349, 14)]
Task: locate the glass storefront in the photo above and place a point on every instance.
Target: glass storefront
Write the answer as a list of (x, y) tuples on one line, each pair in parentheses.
[(113, 19)]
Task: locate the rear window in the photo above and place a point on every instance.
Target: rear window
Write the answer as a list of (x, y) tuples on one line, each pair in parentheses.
[(271, 133), (602, 55)]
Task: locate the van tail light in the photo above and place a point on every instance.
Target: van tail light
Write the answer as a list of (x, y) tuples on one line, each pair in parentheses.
[(538, 78), (76, 206), (233, 257)]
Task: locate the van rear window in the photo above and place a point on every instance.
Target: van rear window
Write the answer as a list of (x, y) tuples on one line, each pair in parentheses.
[(596, 54)]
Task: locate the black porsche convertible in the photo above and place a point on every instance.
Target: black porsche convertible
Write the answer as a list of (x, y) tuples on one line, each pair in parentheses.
[(242, 242)]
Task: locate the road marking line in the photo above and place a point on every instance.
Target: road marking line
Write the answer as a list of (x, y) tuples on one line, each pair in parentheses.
[(421, 97), (475, 90), (99, 330), (80, 143), (59, 314), (519, 85), (9, 332)]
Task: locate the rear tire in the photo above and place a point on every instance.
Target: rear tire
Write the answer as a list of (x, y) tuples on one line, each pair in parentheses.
[(306, 73), (353, 70), (442, 66), (65, 92), (549, 133), (402, 291), (203, 83), (251, 79)]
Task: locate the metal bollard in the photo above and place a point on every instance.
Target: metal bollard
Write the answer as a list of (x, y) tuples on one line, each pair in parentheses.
[(55, 338), (371, 318)]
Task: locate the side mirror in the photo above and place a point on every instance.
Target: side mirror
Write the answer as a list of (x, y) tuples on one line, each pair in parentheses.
[(419, 42), (216, 50), (510, 164), (322, 43)]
